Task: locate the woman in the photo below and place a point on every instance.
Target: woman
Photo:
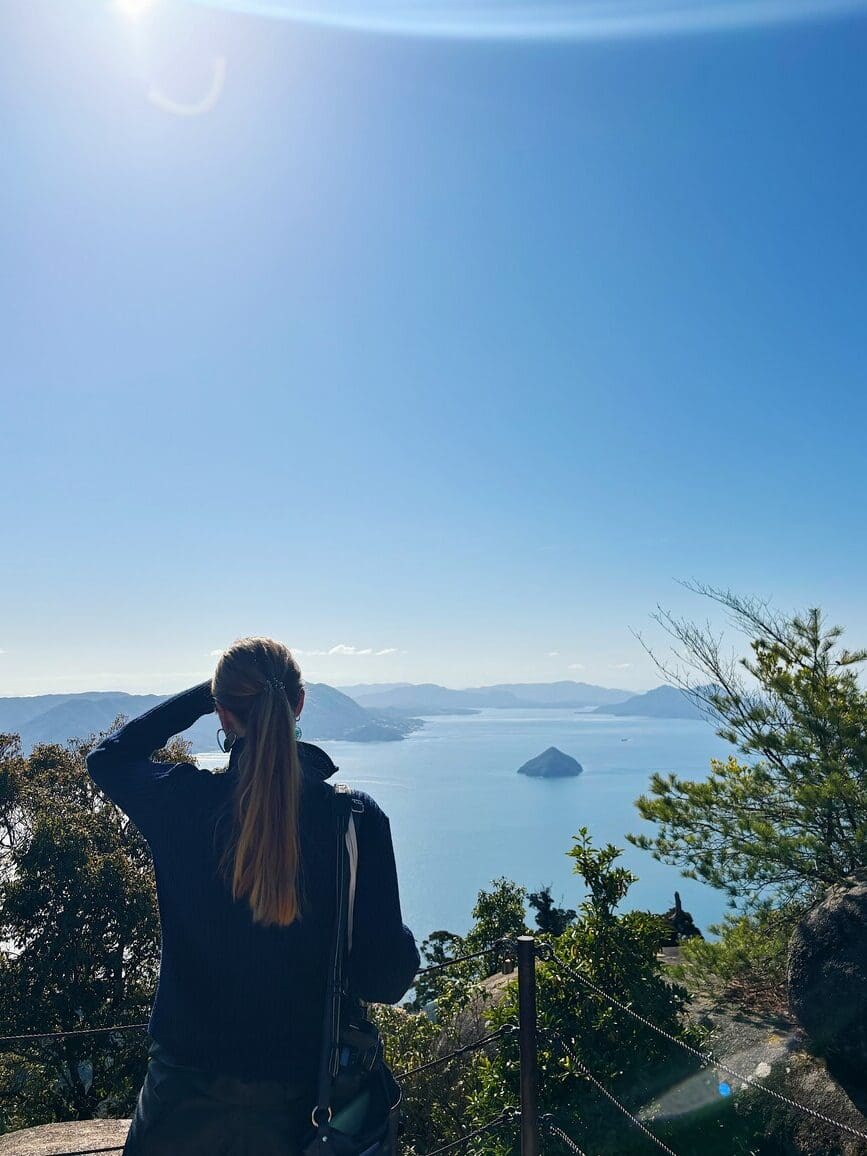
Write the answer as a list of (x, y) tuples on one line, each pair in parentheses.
[(246, 875)]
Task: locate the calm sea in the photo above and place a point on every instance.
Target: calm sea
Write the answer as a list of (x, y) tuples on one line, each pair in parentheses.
[(461, 815)]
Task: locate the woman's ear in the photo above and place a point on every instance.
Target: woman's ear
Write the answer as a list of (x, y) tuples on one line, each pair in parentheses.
[(228, 721), (300, 706)]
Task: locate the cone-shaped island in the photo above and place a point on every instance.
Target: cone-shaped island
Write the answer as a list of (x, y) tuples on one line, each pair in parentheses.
[(551, 764)]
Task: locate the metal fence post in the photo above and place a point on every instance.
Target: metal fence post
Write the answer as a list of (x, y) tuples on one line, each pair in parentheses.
[(527, 1044)]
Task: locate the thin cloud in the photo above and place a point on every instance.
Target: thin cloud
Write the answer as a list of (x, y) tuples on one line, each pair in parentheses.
[(198, 107), (576, 665), (344, 650), (553, 653), (619, 665)]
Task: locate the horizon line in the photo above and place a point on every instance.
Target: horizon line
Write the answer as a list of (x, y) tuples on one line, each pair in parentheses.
[(341, 686)]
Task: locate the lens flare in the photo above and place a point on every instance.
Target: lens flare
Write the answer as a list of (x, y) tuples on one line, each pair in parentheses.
[(133, 9), (708, 1089), (204, 104), (543, 19)]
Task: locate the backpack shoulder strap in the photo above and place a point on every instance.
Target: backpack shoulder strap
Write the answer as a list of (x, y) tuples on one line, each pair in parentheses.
[(356, 810), (329, 1054)]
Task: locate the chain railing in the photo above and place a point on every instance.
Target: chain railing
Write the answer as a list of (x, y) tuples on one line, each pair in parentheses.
[(526, 952)]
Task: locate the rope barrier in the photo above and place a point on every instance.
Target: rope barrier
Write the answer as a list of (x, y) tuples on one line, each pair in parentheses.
[(507, 1117), (460, 959), (508, 1029), (708, 1058), (600, 1087), (72, 1032), (561, 1135), (35, 1036), (91, 1151)]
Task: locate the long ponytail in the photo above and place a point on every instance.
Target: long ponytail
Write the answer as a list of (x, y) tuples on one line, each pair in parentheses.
[(260, 682)]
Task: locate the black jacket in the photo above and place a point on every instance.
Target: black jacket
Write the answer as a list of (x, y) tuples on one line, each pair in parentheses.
[(234, 996)]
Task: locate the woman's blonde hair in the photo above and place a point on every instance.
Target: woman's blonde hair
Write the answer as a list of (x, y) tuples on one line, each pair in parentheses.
[(259, 681)]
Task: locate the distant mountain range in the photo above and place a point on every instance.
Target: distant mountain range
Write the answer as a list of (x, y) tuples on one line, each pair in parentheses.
[(661, 702), (54, 718), (427, 699), (368, 687), (372, 713), (430, 698)]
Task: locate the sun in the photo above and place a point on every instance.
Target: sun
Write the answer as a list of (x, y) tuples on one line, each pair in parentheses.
[(132, 9)]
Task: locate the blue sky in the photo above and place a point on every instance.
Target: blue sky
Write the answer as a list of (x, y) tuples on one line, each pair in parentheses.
[(463, 349)]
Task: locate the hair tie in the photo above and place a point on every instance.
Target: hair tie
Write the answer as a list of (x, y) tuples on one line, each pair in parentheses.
[(273, 684)]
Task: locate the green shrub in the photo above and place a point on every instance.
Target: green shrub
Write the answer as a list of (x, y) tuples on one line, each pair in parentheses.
[(747, 961)]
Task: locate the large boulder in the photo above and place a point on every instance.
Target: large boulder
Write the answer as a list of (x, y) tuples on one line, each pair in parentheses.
[(827, 973)]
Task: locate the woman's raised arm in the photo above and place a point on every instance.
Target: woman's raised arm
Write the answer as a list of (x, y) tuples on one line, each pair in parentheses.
[(122, 767), (384, 956)]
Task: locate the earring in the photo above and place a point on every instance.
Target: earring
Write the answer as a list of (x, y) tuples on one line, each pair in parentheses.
[(227, 742), (298, 732)]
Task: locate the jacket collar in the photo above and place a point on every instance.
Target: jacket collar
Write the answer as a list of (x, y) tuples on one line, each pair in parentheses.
[(314, 761)]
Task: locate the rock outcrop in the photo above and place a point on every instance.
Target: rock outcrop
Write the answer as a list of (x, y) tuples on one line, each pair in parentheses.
[(551, 764), (827, 974), (770, 1049), (681, 924), (71, 1136)]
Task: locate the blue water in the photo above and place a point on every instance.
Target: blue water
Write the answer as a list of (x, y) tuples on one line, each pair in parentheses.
[(461, 815)]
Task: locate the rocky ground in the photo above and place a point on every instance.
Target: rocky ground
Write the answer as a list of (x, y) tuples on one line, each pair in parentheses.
[(74, 1136), (770, 1048)]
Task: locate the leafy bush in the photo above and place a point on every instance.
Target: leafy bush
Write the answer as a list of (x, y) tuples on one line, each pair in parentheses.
[(499, 914), (618, 954), (80, 925)]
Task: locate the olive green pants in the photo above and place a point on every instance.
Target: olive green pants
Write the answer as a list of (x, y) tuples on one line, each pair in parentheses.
[(183, 1111)]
